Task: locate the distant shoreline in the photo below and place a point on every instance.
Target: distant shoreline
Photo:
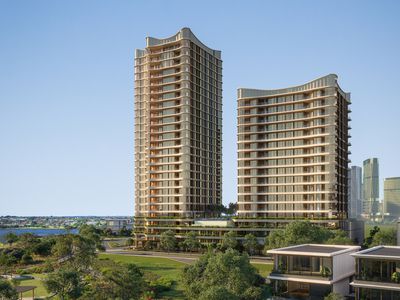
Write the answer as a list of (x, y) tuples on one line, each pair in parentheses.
[(38, 231), (41, 227)]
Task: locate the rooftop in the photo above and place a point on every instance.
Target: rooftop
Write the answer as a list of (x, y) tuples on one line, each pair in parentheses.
[(25, 288), (184, 33), (315, 250), (329, 80), (388, 252)]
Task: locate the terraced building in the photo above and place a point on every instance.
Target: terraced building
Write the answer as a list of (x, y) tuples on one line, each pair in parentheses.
[(293, 147), (178, 133)]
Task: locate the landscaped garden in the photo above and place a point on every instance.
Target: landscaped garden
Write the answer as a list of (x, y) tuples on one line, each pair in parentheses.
[(68, 267), (168, 269)]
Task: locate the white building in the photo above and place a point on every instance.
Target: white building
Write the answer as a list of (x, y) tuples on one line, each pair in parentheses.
[(312, 271), (117, 224)]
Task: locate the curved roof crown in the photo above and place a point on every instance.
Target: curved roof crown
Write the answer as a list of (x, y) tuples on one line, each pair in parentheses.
[(328, 80), (183, 34)]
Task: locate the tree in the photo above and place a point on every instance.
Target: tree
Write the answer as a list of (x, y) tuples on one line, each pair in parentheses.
[(224, 275), (168, 240), (229, 241), (129, 242), (250, 243), (191, 242), (83, 252), (231, 209), (296, 233), (334, 296), (11, 238), (384, 237), (62, 249), (125, 232), (7, 291), (368, 240), (78, 250), (216, 210), (27, 240), (93, 234), (26, 259), (108, 232), (66, 283), (339, 238), (44, 247), (218, 293), (9, 258), (117, 281)]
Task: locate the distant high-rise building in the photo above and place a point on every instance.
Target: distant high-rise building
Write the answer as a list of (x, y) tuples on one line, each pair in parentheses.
[(293, 153), (355, 192), (371, 186), (178, 133), (391, 190)]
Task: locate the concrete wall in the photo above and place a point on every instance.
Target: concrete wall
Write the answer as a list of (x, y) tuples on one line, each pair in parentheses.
[(398, 233), (343, 264), (341, 287)]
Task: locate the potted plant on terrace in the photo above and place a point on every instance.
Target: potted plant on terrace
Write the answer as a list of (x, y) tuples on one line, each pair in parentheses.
[(396, 277)]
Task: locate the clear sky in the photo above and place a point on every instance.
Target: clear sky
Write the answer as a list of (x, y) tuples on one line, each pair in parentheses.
[(66, 86)]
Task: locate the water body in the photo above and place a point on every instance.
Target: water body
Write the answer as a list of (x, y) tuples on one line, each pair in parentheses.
[(35, 231)]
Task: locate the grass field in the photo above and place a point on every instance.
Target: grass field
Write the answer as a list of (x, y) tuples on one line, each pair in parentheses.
[(168, 268), (40, 291), (163, 267)]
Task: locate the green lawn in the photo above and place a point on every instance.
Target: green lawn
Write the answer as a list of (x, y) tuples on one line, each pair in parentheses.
[(163, 267), (168, 268), (40, 291)]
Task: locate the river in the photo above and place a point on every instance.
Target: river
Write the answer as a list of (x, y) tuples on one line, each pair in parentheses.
[(35, 231)]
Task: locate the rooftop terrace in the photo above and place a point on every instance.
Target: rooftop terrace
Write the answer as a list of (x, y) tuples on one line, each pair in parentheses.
[(314, 250)]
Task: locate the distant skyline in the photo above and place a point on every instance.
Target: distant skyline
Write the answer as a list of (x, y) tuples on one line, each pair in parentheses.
[(66, 86)]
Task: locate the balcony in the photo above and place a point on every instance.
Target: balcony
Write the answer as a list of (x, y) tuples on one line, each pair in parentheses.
[(304, 266), (383, 271)]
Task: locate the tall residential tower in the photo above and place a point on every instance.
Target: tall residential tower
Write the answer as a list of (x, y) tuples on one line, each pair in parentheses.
[(178, 132), (391, 190), (371, 186), (293, 154), (355, 192)]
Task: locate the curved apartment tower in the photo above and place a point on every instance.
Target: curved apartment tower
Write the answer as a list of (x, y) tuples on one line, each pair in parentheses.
[(293, 154), (178, 132)]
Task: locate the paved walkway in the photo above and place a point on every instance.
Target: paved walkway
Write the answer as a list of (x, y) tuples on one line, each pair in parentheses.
[(178, 256)]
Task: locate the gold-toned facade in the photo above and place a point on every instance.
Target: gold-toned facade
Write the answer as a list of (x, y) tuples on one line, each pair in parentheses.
[(293, 153), (391, 190), (178, 133)]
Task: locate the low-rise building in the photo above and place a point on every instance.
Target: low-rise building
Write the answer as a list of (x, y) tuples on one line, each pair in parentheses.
[(312, 271), (115, 225), (377, 273)]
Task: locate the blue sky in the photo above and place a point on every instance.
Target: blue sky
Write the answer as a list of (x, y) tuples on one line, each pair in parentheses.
[(66, 86)]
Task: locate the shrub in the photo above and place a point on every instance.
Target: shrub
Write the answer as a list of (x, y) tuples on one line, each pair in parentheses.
[(26, 259)]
